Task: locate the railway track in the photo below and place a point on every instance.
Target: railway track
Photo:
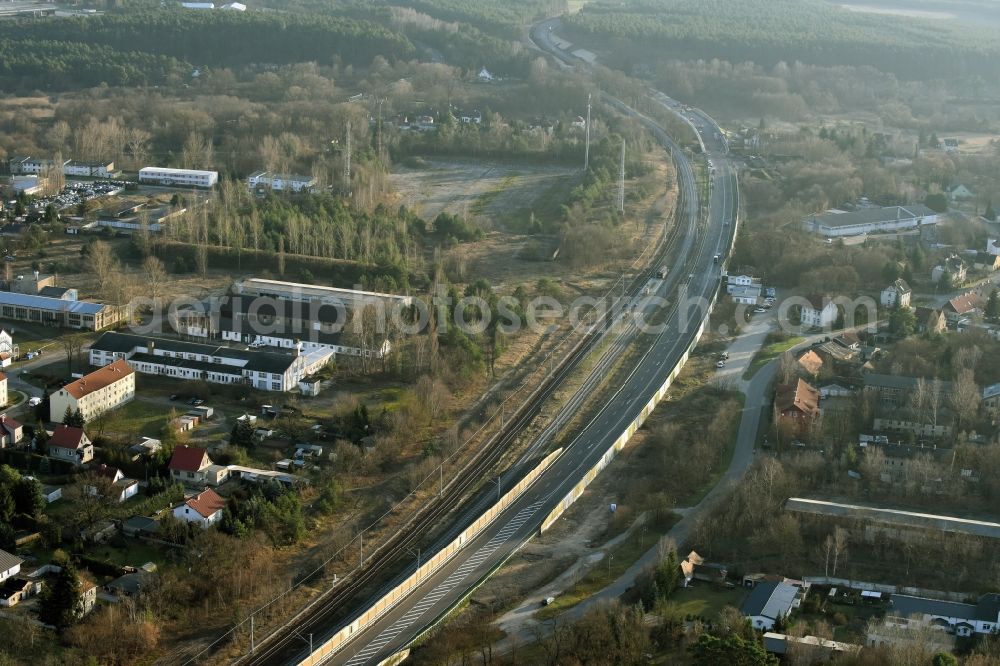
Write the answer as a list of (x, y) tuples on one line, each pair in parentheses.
[(384, 563)]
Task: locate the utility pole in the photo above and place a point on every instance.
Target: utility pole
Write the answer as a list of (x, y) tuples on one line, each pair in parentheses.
[(379, 128), (251, 635), (586, 149), (362, 536), (621, 181), (347, 157)]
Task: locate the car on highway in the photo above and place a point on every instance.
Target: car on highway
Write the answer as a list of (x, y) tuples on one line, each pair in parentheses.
[(724, 356), (759, 310), (720, 364)]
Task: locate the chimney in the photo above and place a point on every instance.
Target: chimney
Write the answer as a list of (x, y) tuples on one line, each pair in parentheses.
[(150, 346)]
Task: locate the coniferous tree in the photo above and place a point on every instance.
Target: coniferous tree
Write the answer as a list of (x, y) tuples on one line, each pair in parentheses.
[(61, 598)]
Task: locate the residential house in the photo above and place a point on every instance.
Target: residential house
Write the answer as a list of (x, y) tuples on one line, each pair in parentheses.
[(694, 567), (145, 446), (810, 362), (119, 486), (991, 400), (796, 404), (898, 420), (953, 617), (281, 182), (100, 169), (10, 565), (961, 307), (819, 311), (191, 465), (909, 462), (953, 267), (8, 351), (768, 604), (735, 281), (96, 393), (896, 295), (128, 585), (987, 262), (11, 431), (206, 508), (960, 193), (744, 295), (15, 590), (71, 444), (893, 391), (930, 320)]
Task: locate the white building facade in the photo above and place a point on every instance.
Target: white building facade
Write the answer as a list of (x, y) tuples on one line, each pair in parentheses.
[(178, 177)]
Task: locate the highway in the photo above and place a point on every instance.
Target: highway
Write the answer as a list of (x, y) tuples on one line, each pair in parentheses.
[(694, 275)]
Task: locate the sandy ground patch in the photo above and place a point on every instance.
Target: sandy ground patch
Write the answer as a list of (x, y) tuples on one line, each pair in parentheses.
[(456, 186)]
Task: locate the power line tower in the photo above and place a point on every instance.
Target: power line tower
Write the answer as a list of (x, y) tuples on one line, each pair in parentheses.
[(586, 149), (347, 157), (621, 181)]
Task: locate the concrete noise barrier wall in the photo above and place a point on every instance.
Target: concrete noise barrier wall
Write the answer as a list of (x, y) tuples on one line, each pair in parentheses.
[(623, 438), (439, 559)]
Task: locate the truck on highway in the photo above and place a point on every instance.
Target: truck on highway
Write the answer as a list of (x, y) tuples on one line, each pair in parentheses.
[(661, 272)]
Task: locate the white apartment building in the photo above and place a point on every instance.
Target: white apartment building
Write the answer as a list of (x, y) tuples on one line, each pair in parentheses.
[(820, 311), (96, 393), (102, 169), (178, 177)]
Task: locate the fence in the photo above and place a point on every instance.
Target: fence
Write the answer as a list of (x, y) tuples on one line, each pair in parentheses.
[(889, 589), (398, 593)]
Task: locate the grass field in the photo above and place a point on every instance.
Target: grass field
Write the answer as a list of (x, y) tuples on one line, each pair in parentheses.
[(706, 600), (139, 417), (769, 353)]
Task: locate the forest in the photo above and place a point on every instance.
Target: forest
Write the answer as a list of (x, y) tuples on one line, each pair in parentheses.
[(770, 31), (139, 48)]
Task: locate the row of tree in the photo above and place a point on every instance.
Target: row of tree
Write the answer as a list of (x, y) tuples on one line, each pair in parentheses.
[(771, 31)]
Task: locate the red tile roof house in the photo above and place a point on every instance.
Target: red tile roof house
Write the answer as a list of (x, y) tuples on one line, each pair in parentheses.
[(205, 508), (123, 487), (797, 404), (71, 444), (11, 431), (191, 465)]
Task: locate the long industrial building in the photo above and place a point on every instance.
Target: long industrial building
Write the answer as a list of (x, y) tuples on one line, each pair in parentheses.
[(294, 291), (178, 177), (267, 371), (835, 223), (59, 312)]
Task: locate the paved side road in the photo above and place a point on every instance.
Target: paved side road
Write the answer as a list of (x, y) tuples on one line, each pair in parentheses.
[(519, 625)]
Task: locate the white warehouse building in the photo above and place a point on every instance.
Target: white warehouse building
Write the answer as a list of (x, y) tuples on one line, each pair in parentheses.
[(868, 220), (178, 177)]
